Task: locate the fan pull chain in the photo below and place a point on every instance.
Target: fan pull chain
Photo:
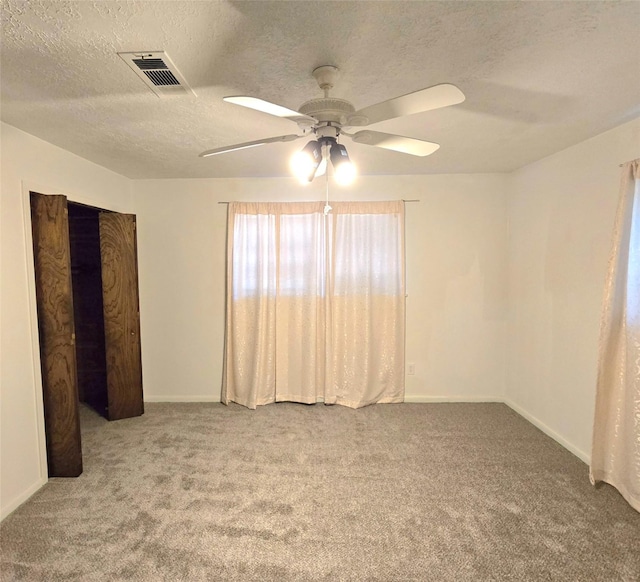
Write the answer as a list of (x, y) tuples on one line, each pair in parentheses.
[(327, 208)]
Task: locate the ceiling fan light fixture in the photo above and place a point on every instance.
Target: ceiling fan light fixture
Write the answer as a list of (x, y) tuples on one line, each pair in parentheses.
[(304, 163), (322, 168), (344, 169), (328, 117)]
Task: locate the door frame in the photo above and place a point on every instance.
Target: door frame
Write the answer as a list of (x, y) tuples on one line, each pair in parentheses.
[(38, 396)]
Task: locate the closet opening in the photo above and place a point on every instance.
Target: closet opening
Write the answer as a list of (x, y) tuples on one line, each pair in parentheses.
[(86, 278), (88, 309)]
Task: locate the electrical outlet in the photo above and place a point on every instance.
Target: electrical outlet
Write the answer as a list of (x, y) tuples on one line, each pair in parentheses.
[(411, 369)]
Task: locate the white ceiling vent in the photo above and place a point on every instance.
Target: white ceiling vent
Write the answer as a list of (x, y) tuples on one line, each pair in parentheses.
[(158, 72)]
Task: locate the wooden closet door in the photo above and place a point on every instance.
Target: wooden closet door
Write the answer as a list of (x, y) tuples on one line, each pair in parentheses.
[(118, 251), (54, 299)]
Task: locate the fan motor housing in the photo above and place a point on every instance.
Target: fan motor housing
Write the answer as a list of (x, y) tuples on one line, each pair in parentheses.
[(328, 109)]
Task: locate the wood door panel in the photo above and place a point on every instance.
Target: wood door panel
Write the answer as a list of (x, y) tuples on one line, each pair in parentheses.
[(56, 331), (121, 314)]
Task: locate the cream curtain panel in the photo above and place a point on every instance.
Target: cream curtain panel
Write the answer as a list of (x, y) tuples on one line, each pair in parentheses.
[(315, 303), (615, 455)]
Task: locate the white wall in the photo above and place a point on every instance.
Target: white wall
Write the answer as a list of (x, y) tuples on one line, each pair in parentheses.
[(561, 213), (456, 277), (30, 163)]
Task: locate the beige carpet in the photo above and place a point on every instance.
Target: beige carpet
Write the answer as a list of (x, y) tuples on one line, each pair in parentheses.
[(434, 492)]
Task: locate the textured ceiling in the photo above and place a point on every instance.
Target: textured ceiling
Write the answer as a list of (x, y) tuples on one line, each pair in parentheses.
[(538, 76)]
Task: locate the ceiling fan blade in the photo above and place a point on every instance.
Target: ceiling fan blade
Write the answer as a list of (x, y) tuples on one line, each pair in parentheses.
[(248, 144), (397, 143), (416, 102), (267, 107)]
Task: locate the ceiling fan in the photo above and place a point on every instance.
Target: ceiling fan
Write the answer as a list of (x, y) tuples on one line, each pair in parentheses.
[(327, 117)]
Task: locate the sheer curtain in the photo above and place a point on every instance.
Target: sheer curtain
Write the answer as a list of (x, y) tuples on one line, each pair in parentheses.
[(315, 303), (615, 455), (367, 301)]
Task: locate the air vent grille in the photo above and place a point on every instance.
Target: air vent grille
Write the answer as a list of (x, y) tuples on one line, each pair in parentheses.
[(143, 63), (161, 78), (158, 72)]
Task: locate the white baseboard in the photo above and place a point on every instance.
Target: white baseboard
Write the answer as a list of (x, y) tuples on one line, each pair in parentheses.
[(408, 398), (414, 399), (18, 501), (181, 398), (549, 432), (418, 399)]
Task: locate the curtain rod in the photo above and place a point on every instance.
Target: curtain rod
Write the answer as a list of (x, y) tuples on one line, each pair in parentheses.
[(228, 202)]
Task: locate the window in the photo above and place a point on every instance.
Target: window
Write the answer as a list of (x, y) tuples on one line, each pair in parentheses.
[(315, 304)]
